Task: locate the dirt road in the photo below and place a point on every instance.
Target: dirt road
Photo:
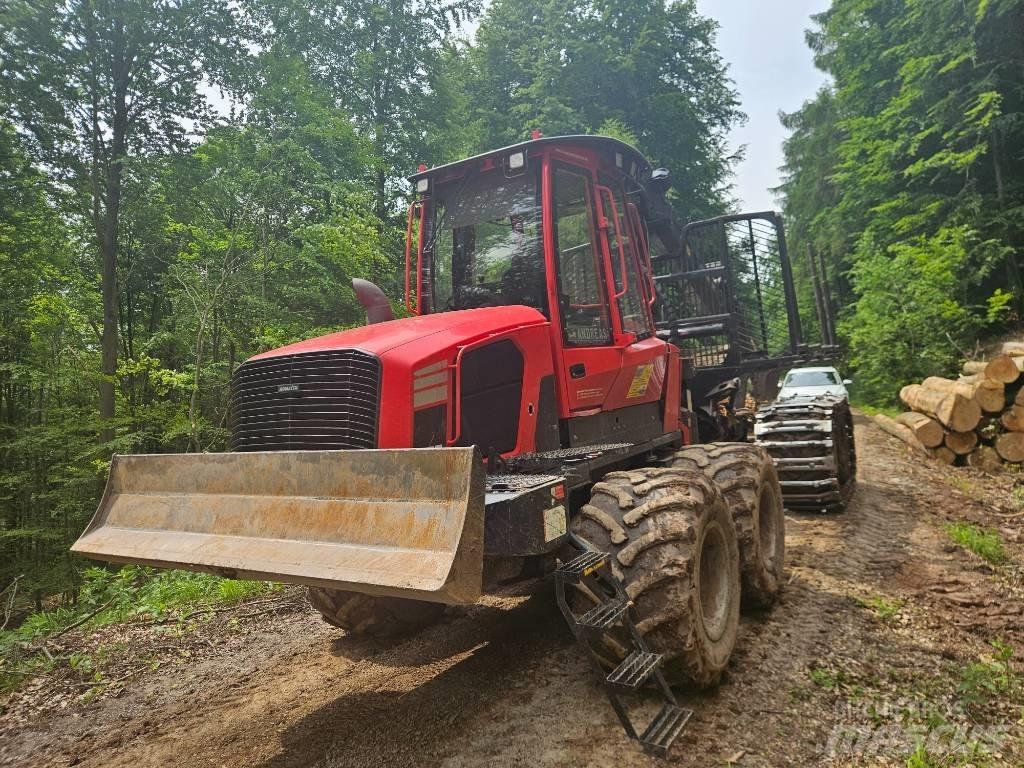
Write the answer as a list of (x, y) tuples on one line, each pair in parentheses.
[(869, 652)]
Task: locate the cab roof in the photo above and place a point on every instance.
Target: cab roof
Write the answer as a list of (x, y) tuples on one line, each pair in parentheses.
[(588, 141)]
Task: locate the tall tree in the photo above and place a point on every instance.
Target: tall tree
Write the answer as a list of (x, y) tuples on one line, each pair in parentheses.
[(99, 84), (650, 68), (381, 60), (908, 172)]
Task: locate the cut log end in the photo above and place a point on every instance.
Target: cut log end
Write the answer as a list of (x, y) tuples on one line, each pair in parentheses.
[(925, 428), (961, 443), (985, 458), (1004, 368), (1010, 446)]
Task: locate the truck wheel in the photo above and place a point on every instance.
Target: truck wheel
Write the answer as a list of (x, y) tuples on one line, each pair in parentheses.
[(747, 478), (371, 616), (674, 549)]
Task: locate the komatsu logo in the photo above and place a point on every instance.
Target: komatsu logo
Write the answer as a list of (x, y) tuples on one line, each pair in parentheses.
[(288, 388)]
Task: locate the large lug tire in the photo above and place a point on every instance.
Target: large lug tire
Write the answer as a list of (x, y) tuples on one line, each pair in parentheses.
[(674, 550), (371, 616), (747, 478)]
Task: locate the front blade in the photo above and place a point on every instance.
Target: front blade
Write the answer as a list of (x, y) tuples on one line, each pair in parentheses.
[(403, 523)]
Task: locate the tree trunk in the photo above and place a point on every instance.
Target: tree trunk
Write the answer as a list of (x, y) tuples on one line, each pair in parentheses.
[(1011, 446), (943, 455), (990, 395), (961, 443), (972, 367), (108, 248), (954, 411), (1013, 348), (1004, 368), (900, 431), (985, 458), (925, 428), (1013, 419)]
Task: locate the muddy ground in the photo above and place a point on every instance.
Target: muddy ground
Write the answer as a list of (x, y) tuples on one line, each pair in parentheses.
[(882, 641)]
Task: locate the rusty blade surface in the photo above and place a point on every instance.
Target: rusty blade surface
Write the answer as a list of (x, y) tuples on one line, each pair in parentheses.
[(404, 523)]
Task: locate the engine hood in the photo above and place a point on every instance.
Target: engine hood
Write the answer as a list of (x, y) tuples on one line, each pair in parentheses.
[(427, 333)]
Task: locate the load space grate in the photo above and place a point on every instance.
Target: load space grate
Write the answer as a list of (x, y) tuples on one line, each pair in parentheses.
[(306, 402)]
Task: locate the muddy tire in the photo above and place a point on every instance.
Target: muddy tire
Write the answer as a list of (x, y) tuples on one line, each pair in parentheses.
[(674, 549), (371, 616), (747, 478)]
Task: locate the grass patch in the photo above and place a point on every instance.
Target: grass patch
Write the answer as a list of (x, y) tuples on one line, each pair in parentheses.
[(970, 755), (962, 484), (984, 542), (878, 605), (826, 678), (128, 594), (874, 410), (1017, 497), (990, 677)]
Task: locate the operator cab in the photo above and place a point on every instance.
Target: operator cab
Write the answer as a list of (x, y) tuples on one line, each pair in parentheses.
[(559, 225)]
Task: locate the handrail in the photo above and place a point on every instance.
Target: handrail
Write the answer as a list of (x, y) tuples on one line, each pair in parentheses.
[(413, 207), (623, 273)]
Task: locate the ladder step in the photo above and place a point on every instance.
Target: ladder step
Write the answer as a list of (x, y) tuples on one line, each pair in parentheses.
[(664, 728), (581, 566), (634, 670), (604, 615)]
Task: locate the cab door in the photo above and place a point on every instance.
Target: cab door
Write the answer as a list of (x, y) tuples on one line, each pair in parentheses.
[(643, 363), (590, 357)]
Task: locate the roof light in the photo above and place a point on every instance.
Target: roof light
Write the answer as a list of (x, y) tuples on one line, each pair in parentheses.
[(422, 185), (618, 159), (516, 161)]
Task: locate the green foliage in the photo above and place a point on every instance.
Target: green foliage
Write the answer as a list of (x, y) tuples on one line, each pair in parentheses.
[(904, 159), (984, 542), (647, 71), (909, 321), (110, 597), (131, 592), (882, 608), (830, 680), (989, 677)]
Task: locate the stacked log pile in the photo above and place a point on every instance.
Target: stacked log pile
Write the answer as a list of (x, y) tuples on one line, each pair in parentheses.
[(977, 419)]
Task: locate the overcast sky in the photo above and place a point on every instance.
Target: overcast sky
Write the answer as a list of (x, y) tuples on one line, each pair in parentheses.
[(763, 43)]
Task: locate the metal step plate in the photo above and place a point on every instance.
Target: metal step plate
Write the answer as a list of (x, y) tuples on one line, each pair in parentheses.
[(604, 615), (581, 566), (664, 729), (635, 670)]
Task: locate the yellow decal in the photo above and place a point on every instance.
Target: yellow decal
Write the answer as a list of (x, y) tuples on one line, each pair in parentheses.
[(641, 378)]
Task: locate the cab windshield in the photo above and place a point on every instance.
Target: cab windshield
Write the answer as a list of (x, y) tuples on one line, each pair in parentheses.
[(486, 248)]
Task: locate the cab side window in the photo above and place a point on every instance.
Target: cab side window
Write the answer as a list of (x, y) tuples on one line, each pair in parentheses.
[(580, 281)]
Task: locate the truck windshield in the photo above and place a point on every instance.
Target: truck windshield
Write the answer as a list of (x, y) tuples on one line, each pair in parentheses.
[(486, 248), (811, 379)]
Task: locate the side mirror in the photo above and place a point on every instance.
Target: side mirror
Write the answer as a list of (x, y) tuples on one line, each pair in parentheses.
[(847, 382)]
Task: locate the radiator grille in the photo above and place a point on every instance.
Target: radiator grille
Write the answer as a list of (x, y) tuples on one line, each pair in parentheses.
[(308, 402)]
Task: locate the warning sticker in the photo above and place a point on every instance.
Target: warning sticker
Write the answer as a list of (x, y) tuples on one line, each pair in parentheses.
[(641, 378), (554, 523)]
